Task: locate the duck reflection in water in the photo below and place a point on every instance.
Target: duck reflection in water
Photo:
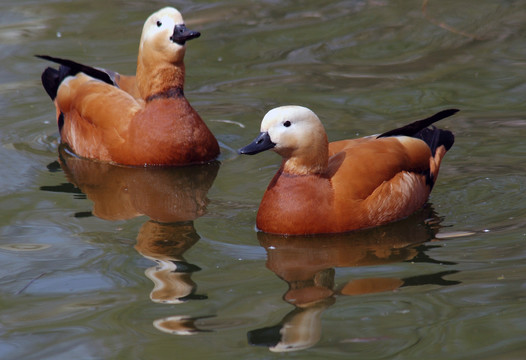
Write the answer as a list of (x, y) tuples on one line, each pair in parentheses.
[(172, 197), (307, 265)]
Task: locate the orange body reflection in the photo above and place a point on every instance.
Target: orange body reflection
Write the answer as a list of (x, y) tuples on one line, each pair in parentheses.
[(172, 197), (307, 264), (164, 194)]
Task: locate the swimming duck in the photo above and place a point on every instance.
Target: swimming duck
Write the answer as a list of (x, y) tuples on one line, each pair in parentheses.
[(133, 120), (345, 185)]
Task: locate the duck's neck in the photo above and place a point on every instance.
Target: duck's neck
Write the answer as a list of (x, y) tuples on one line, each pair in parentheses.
[(160, 80), (313, 162)]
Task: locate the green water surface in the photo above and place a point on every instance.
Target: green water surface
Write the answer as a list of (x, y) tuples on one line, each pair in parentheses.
[(102, 262)]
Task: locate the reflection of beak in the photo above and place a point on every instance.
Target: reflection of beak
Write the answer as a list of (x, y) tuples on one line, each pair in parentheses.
[(300, 329), (181, 34), (302, 332), (171, 286), (261, 143), (179, 325)]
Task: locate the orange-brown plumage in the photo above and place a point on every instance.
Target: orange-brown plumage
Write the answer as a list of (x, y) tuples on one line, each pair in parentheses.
[(346, 185), (134, 120), (128, 84)]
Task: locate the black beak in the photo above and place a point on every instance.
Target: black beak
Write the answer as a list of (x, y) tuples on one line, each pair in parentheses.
[(182, 34), (261, 143)]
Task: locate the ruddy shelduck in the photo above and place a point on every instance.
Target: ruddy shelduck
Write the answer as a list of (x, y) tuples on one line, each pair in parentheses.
[(345, 185), (133, 120)]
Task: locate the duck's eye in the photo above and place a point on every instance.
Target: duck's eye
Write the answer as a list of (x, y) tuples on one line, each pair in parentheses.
[(159, 23), (286, 123)]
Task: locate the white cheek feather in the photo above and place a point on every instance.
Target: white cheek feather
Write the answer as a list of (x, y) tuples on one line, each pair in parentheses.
[(277, 135)]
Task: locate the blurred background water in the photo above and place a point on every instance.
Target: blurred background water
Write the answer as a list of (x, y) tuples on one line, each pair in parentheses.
[(104, 262)]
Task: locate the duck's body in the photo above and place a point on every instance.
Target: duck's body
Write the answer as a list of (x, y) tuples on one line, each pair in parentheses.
[(133, 120), (348, 184)]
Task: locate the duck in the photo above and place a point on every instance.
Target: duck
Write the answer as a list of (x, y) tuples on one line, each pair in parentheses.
[(345, 185), (137, 120)]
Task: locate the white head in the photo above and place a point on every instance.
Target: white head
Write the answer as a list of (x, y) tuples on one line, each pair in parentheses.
[(291, 128), (164, 35), (297, 134)]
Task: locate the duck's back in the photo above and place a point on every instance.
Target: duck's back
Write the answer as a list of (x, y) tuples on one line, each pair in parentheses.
[(358, 167)]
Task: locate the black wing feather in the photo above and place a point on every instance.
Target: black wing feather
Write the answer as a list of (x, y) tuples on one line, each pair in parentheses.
[(52, 78), (432, 136)]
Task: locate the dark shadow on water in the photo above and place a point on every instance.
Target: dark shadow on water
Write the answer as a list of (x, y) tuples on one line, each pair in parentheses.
[(307, 265)]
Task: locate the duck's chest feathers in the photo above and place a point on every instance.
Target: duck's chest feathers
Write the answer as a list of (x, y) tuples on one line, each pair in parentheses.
[(295, 201)]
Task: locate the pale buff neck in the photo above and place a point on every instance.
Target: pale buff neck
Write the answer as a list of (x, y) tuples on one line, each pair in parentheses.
[(311, 161), (154, 78)]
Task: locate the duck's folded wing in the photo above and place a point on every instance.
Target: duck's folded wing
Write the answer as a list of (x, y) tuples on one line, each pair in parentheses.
[(368, 163), (92, 111), (382, 180)]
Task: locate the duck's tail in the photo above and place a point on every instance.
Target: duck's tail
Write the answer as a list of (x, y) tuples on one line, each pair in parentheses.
[(438, 140), (433, 137), (52, 78)]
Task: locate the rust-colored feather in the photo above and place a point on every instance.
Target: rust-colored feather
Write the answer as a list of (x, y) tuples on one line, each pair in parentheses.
[(133, 120), (366, 182)]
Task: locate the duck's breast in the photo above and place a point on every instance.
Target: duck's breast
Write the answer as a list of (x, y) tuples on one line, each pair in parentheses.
[(171, 132), (297, 205)]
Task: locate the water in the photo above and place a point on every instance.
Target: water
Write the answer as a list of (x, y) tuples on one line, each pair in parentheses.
[(113, 263)]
